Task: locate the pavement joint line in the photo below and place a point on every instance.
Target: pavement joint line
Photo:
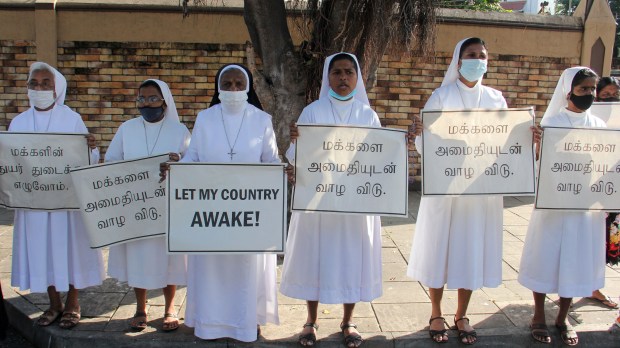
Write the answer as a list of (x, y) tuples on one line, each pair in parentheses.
[(500, 323)]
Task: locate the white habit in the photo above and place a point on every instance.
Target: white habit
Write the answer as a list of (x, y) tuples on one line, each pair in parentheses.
[(564, 251), (228, 295), (333, 258), (52, 248), (145, 263), (458, 240)]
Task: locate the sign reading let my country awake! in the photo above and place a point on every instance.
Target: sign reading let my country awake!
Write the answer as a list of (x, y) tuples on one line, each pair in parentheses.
[(121, 201), (351, 170), (579, 169), (34, 169), (477, 152), (226, 208)]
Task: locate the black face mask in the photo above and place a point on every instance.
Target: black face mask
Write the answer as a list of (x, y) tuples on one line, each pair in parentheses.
[(582, 102), (151, 114), (610, 99)]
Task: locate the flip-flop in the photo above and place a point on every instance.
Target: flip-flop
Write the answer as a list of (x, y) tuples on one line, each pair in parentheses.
[(607, 302), (69, 320), (566, 333), (170, 326), (138, 325), (539, 330), (48, 317)]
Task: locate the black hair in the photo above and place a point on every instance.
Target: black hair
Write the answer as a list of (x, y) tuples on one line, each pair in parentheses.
[(151, 83), (469, 42), (606, 81), (342, 56), (581, 75), (252, 96)]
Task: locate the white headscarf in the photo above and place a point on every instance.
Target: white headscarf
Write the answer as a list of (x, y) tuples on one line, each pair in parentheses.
[(60, 82), (452, 74), (237, 67), (359, 87), (171, 108), (558, 100)]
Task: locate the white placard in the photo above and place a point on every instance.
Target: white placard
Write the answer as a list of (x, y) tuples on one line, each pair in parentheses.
[(608, 112), (478, 152), (121, 201), (226, 208), (34, 169), (579, 169), (351, 170)]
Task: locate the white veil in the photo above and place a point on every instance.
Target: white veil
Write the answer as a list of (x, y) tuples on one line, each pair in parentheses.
[(171, 107), (360, 88), (60, 82), (558, 100)]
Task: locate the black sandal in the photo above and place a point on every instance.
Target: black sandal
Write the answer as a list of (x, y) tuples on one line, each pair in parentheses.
[(309, 338), (465, 334), (354, 339), (434, 333)]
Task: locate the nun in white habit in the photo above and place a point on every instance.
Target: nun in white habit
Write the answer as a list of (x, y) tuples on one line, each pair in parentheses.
[(51, 251), (230, 295), (334, 258), (458, 240), (564, 250), (145, 264)]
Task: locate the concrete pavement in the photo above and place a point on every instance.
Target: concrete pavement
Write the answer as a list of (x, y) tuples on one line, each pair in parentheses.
[(397, 319)]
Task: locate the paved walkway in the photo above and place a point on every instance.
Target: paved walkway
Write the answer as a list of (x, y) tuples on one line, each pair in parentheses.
[(398, 319)]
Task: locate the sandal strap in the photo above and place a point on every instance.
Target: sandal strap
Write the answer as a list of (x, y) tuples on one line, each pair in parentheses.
[(314, 325), (457, 320), (347, 326), (435, 318)]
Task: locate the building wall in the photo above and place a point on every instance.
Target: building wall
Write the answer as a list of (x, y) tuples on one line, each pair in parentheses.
[(105, 54)]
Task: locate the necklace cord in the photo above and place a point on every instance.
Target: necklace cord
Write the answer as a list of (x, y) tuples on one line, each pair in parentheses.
[(232, 148)]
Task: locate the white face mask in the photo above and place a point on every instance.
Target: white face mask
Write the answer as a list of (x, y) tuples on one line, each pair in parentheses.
[(230, 98), (41, 99)]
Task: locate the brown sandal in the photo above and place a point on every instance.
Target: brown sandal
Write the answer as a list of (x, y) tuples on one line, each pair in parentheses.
[(137, 323), (48, 317), (69, 320), (171, 325)]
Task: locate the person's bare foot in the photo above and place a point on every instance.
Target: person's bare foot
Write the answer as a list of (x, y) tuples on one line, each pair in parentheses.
[(605, 300)]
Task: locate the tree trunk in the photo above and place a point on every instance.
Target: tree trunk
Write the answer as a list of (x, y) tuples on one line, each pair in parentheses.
[(282, 82)]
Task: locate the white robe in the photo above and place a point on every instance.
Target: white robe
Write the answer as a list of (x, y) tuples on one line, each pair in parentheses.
[(52, 248), (228, 295), (458, 240), (564, 251), (333, 258), (145, 263)]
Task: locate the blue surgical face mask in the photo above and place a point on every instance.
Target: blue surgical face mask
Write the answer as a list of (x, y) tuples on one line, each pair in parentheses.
[(151, 114), (339, 97), (473, 69)]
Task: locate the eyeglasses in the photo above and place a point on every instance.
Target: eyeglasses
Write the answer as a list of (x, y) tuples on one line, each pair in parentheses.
[(151, 100), (45, 86)]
